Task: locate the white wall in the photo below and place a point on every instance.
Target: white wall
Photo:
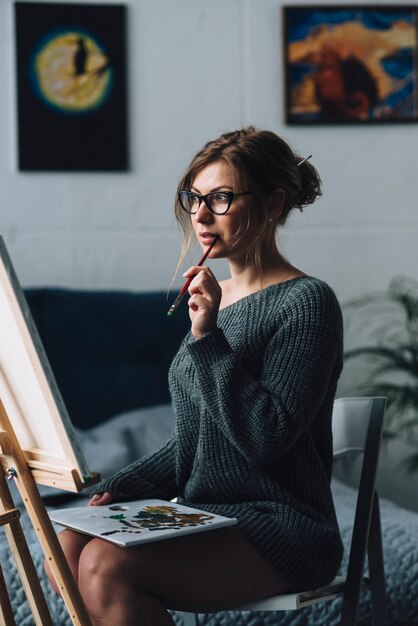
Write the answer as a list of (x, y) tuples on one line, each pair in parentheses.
[(197, 68)]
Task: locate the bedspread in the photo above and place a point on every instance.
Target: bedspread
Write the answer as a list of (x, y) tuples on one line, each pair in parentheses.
[(128, 436), (400, 538)]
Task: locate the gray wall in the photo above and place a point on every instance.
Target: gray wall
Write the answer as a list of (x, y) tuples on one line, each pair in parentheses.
[(197, 68)]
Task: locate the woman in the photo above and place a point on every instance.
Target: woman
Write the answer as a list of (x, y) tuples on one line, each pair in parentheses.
[(252, 387)]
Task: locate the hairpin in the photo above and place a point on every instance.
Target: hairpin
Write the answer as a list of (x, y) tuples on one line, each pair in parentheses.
[(303, 160)]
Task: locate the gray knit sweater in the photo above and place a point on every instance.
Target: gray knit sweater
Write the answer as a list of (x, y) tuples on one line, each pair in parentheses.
[(253, 402)]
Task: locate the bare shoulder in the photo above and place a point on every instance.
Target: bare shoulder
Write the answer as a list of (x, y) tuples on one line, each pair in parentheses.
[(226, 292)]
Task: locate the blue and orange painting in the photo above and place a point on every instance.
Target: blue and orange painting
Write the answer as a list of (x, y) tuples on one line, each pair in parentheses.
[(350, 64)]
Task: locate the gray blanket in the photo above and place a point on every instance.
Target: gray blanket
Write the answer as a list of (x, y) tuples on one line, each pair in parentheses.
[(144, 430)]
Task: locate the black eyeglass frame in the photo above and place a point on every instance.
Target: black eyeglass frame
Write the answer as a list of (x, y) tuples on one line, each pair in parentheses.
[(231, 195)]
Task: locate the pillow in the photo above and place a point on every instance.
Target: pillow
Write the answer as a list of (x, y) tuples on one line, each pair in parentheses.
[(125, 438), (112, 445)]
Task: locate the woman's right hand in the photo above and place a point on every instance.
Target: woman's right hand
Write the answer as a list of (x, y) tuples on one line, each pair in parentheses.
[(206, 294), (100, 499)]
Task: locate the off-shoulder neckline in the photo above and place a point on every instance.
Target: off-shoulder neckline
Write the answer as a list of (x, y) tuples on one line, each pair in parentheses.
[(264, 290)]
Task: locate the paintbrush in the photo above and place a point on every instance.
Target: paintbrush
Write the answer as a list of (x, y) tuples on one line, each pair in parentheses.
[(186, 285)]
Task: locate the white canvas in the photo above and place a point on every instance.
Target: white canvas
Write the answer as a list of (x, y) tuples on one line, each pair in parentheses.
[(29, 391), (139, 521)]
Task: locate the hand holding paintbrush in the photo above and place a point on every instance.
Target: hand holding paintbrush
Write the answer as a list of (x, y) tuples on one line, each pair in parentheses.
[(186, 285)]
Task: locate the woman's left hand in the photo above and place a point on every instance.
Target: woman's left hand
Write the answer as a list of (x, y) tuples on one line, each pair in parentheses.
[(100, 499), (205, 298)]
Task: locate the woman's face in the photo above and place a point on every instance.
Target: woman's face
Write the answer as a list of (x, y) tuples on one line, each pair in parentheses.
[(230, 228)]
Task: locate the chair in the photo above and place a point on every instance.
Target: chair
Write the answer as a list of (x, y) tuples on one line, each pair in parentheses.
[(357, 427)]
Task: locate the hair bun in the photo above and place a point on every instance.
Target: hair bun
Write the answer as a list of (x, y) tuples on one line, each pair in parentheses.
[(310, 185)]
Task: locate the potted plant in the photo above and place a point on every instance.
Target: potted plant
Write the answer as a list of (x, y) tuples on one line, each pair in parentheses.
[(381, 358)]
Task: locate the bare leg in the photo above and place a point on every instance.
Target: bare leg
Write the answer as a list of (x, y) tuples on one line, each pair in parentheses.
[(152, 612), (206, 572), (73, 544)]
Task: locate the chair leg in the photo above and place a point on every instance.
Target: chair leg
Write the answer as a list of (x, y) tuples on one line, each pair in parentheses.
[(354, 581), (376, 568)]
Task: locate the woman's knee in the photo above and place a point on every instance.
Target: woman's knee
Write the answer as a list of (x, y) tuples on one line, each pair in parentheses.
[(72, 544), (102, 568), (110, 581)]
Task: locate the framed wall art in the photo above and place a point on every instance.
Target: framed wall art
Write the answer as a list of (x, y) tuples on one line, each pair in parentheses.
[(350, 64), (71, 86)]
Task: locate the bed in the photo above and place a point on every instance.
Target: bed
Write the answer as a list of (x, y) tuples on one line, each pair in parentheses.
[(110, 352)]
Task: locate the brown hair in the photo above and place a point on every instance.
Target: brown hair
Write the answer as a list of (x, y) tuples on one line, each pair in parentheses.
[(262, 162)]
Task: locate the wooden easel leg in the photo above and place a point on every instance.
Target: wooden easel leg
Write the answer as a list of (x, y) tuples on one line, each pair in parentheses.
[(24, 562), (6, 611), (52, 549), (25, 482)]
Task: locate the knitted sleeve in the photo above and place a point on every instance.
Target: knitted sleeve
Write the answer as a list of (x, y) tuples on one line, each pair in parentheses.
[(152, 476), (264, 417)]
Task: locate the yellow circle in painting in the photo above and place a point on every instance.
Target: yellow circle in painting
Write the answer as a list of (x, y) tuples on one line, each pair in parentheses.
[(73, 72)]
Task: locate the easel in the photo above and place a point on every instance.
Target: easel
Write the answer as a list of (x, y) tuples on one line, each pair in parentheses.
[(14, 465), (38, 445)]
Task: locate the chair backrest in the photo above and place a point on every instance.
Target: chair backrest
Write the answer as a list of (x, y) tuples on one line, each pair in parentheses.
[(352, 419), (358, 425)]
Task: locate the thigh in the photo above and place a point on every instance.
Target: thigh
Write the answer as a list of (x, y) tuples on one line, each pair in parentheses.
[(73, 543), (206, 571)]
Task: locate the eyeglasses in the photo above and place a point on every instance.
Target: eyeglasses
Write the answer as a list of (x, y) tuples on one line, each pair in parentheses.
[(218, 202)]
